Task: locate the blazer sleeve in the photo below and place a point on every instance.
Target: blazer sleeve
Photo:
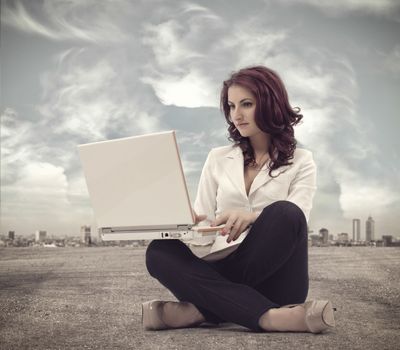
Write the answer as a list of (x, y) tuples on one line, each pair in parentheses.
[(303, 186), (205, 202)]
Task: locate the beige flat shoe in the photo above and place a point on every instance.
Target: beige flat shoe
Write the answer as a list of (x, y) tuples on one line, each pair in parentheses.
[(153, 315), (319, 315)]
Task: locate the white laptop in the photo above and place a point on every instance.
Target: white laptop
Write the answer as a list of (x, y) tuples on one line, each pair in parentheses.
[(138, 190)]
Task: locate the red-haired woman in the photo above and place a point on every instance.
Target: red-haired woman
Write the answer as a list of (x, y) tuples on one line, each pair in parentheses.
[(261, 187)]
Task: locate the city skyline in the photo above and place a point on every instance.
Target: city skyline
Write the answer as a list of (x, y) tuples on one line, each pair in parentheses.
[(85, 230), (75, 72)]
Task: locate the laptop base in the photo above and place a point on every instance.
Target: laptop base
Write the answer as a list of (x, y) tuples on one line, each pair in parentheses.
[(150, 235), (138, 236), (184, 232)]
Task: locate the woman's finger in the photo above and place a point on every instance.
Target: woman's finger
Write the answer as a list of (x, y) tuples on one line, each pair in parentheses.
[(230, 223), (242, 228), (235, 230), (221, 219), (200, 217)]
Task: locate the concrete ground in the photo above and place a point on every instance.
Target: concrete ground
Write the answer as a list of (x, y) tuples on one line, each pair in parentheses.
[(90, 298)]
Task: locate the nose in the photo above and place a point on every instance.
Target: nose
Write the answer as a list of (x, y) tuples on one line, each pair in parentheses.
[(236, 114)]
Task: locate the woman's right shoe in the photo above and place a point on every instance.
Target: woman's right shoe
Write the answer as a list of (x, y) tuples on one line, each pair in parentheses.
[(183, 314), (152, 312)]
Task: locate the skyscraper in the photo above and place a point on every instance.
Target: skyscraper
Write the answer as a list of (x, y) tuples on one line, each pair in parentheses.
[(343, 237), (40, 235), (85, 235), (324, 234), (356, 230), (370, 229)]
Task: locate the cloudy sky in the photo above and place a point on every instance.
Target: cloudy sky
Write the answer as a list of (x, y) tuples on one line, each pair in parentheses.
[(81, 71)]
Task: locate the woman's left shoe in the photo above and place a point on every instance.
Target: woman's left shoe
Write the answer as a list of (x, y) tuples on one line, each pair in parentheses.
[(318, 315), (183, 314)]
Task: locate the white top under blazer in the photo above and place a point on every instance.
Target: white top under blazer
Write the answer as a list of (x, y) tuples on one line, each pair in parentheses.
[(222, 187)]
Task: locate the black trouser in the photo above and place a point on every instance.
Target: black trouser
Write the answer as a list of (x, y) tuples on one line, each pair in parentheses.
[(268, 269)]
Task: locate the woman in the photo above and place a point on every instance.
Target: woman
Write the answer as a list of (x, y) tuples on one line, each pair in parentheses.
[(261, 187)]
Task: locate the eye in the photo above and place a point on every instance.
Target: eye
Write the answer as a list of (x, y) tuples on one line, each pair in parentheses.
[(231, 106), (247, 104)]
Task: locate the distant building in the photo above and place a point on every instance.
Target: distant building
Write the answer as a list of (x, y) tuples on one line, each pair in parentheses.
[(315, 240), (86, 235), (356, 230), (343, 237), (387, 240), (370, 229), (11, 235), (40, 236), (324, 234)]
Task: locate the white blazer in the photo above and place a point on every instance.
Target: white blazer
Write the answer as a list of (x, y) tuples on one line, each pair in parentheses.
[(222, 187)]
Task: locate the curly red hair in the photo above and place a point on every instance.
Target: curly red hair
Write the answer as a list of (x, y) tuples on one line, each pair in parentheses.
[(273, 114)]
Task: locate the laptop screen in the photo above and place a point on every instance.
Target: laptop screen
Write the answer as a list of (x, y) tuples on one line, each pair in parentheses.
[(137, 181)]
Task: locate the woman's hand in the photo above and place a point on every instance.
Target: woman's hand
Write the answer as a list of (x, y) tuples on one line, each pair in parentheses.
[(198, 218), (236, 222)]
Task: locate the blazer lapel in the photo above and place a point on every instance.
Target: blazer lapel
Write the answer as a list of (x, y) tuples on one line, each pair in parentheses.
[(263, 177), (234, 169)]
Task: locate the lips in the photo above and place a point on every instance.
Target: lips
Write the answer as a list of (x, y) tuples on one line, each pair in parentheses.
[(243, 124)]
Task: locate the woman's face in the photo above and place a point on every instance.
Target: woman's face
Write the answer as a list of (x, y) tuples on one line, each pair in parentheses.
[(242, 104)]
